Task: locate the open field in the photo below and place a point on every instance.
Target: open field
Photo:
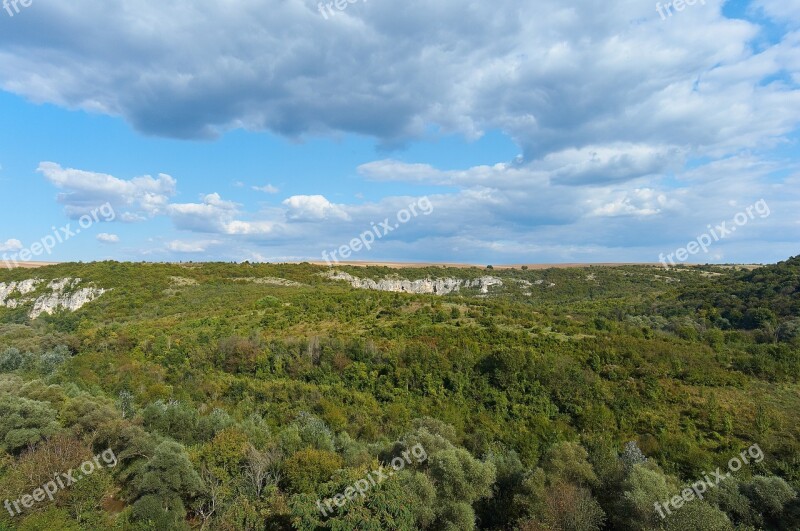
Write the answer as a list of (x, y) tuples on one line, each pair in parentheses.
[(405, 265), (31, 265), (415, 265)]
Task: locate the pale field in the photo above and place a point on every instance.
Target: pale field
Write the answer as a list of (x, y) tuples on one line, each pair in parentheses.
[(29, 265), (413, 265)]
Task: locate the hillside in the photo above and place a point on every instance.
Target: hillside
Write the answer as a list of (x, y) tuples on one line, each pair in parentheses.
[(237, 396)]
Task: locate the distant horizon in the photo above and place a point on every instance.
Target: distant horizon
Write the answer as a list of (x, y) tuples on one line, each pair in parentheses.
[(402, 265)]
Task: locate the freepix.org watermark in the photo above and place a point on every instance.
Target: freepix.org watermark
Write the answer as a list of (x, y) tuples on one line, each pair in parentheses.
[(698, 488), (61, 481), (366, 239), (341, 5), (715, 234), (12, 6), (60, 235), (374, 478), (666, 10)]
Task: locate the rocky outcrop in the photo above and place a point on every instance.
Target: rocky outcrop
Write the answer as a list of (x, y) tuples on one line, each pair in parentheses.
[(435, 286), (62, 294), (23, 288)]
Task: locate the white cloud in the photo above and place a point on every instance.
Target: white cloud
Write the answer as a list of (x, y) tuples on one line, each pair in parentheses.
[(601, 164), (11, 245), (105, 237), (209, 216), (639, 202), (313, 208), (139, 198), (216, 215), (780, 10)]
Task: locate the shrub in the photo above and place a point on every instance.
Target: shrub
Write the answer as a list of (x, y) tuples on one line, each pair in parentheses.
[(307, 469)]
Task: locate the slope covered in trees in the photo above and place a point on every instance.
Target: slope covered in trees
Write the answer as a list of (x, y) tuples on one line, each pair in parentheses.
[(567, 399)]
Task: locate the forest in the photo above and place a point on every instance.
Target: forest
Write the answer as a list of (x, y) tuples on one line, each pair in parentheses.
[(270, 397)]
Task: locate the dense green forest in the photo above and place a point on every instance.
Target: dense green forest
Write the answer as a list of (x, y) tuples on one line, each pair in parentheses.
[(565, 399)]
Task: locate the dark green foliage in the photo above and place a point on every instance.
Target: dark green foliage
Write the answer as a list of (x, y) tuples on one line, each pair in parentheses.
[(24, 422), (770, 495), (169, 471), (11, 359), (166, 482), (155, 513)]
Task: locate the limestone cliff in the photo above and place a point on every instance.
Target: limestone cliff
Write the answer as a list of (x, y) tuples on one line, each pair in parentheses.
[(435, 286), (57, 295)]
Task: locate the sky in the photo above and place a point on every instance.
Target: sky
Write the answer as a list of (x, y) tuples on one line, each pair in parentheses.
[(501, 132)]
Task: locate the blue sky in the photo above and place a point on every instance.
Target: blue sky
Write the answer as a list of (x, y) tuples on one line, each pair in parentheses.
[(259, 130)]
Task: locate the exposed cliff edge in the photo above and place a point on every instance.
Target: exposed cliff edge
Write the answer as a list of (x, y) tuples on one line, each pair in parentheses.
[(435, 286), (60, 294)]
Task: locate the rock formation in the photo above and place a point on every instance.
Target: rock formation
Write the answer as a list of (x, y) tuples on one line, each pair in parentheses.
[(435, 286), (61, 294)]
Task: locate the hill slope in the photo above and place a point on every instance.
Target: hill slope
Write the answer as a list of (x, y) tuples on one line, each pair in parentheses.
[(237, 396)]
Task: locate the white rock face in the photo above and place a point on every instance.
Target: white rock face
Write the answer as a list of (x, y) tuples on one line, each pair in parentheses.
[(24, 287), (435, 286), (50, 302), (484, 283)]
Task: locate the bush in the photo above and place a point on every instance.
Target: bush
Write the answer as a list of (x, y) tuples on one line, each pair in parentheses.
[(158, 512), (309, 468), (172, 419), (769, 494), (24, 422), (53, 359), (12, 360)]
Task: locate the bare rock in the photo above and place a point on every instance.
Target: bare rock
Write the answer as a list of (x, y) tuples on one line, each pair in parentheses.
[(61, 294), (435, 286)]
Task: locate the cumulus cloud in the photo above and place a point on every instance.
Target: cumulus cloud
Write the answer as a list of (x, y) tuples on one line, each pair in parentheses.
[(211, 215), (216, 215), (603, 164), (138, 199), (105, 237), (11, 245), (639, 202), (312, 208)]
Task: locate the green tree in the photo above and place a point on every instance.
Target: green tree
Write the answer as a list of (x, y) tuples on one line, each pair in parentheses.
[(697, 514), (403, 502), (568, 462), (769, 494), (166, 482), (24, 422), (307, 469), (642, 489)]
